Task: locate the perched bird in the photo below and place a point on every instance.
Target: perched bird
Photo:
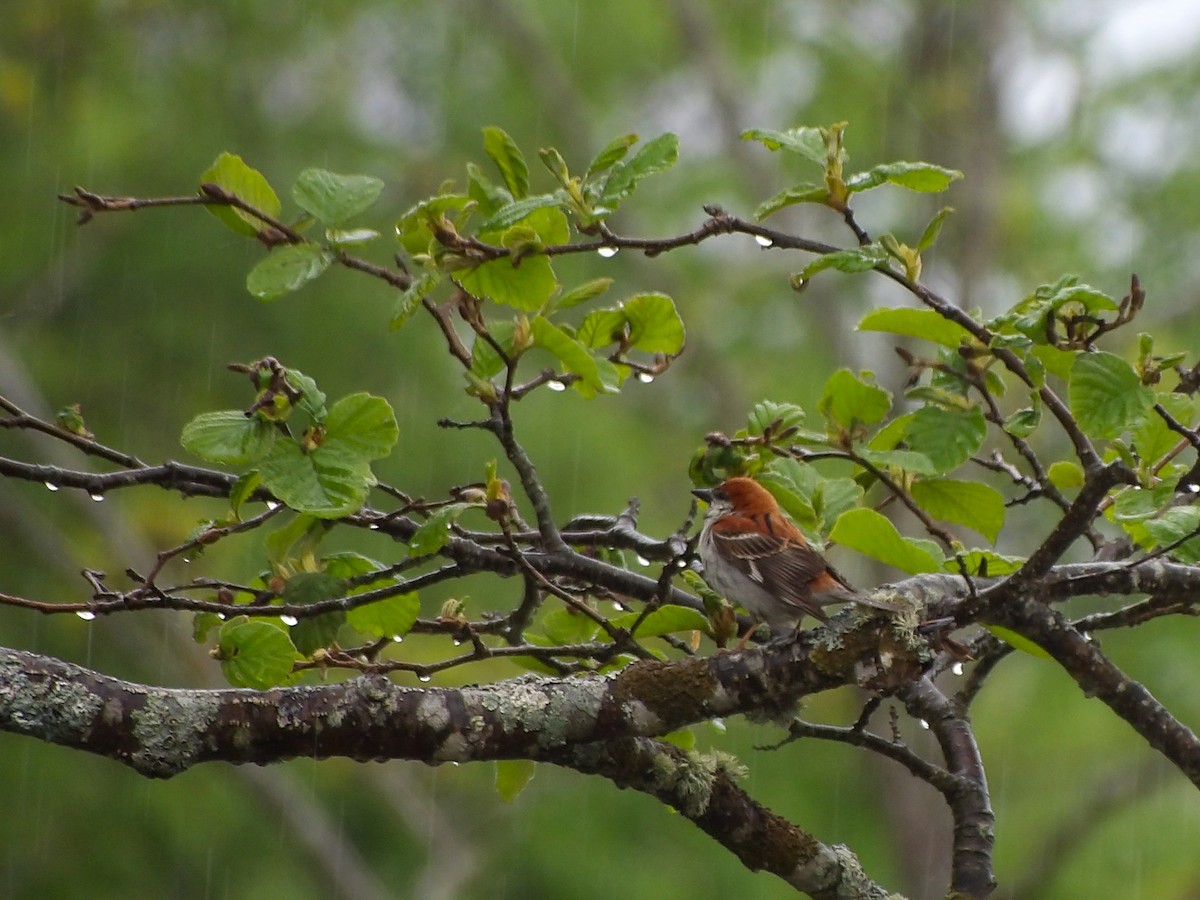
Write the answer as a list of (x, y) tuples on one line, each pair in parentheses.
[(756, 556)]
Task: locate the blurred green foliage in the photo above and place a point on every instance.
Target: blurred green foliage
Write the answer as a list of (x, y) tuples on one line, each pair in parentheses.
[(1075, 139)]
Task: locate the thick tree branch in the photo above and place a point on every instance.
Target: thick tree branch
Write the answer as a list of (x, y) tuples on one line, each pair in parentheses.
[(161, 732)]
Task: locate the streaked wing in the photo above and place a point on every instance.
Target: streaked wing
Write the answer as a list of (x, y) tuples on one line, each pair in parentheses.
[(782, 567)]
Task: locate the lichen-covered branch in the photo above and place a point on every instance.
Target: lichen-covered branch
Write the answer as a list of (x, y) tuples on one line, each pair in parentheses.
[(161, 732)]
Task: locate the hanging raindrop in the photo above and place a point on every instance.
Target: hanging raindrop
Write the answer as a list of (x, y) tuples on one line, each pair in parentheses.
[(86, 615), (608, 252), (763, 241), (51, 486), (289, 620)]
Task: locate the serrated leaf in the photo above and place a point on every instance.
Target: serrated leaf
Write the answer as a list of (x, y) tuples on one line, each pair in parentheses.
[(332, 478), (807, 141), (514, 212), (1023, 422), (508, 159), (314, 633), (434, 532), (1173, 525), (334, 198), (229, 437), (963, 502), (655, 156), (582, 293), (255, 654), (573, 355), (1154, 438), (664, 620), (602, 327), (230, 172), (287, 269), (871, 534), (855, 259), (915, 176), (304, 588), (512, 775), (393, 617), (850, 399), (654, 323), (947, 437), (414, 230), (835, 496), (800, 193), (1106, 396), (612, 154), (919, 323), (526, 287), (243, 489), (909, 461), (767, 412), (410, 300), (1134, 504), (1018, 642)]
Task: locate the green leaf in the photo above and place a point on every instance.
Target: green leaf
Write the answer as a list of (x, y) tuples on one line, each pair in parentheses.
[(1065, 473), (508, 159), (934, 228), (410, 300), (654, 156), (350, 237), (1106, 396), (573, 355), (390, 618), (485, 361), (856, 259), (565, 626), (1134, 504), (202, 624), (915, 176), (297, 539), (807, 141), (304, 588), (1173, 525), (947, 437), (518, 210), (1018, 642), (414, 229), (909, 461), (870, 533), (312, 398), (1057, 362), (664, 620), (850, 399), (801, 193), (1024, 421), (980, 562), (1154, 439), (602, 327), (767, 412), (314, 633), (962, 502), (332, 478), (231, 173), (612, 154), (526, 287), (589, 290), (255, 654), (334, 198), (654, 323), (229, 437), (919, 323), (361, 424), (835, 496), (287, 269), (511, 777), (434, 533), (243, 489)]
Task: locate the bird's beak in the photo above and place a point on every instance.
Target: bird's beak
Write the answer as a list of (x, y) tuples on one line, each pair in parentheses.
[(704, 494)]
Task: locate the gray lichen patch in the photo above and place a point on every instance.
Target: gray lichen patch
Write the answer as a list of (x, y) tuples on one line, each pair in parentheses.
[(170, 731)]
